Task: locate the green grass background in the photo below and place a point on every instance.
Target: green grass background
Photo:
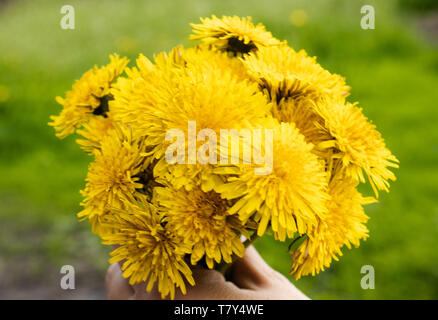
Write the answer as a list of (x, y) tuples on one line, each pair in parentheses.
[(393, 71)]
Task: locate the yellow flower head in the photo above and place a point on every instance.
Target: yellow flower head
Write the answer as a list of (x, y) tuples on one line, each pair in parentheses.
[(149, 252), (344, 224), (137, 96), (202, 219), (114, 179), (202, 90), (357, 145), (88, 98), (291, 197), (233, 34), (151, 88), (284, 73)]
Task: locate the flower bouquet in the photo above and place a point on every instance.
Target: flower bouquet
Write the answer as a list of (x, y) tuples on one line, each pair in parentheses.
[(203, 150)]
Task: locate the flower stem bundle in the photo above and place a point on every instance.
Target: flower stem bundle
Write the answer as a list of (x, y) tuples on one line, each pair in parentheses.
[(168, 204)]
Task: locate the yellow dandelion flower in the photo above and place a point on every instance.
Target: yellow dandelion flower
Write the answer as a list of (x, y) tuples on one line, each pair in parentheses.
[(291, 197), (343, 225), (115, 177), (284, 73), (89, 97), (149, 252), (142, 89), (202, 219), (205, 93), (131, 98), (215, 99), (233, 34), (358, 146)]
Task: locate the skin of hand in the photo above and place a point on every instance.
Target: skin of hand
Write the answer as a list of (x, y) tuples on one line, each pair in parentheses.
[(251, 279)]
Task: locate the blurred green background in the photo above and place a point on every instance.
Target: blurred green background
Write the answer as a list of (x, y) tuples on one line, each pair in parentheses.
[(393, 71)]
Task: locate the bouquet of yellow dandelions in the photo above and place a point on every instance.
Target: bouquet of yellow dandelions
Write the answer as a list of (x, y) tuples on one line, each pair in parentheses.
[(240, 135)]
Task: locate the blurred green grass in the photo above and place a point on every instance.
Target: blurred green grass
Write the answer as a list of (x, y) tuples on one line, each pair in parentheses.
[(393, 71)]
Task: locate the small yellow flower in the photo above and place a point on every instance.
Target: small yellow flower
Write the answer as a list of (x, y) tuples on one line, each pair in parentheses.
[(202, 219), (170, 94), (358, 146), (114, 178), (148, 251), (150, 88), (344, 224), (88, 98), (233, 34), (284, 73)]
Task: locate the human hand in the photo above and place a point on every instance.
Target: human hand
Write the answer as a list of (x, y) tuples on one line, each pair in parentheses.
[(251, 279)]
